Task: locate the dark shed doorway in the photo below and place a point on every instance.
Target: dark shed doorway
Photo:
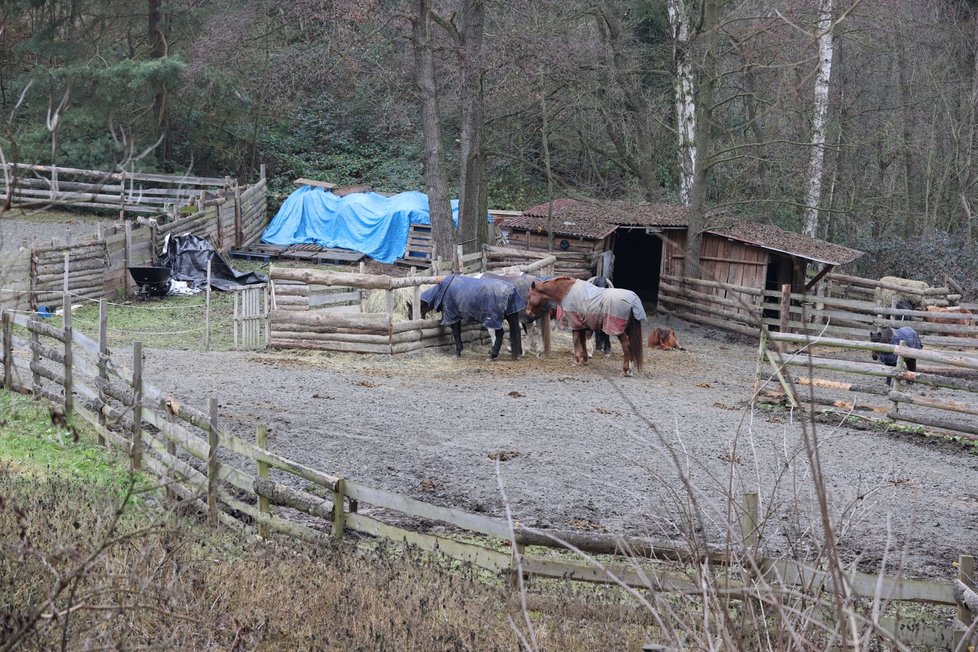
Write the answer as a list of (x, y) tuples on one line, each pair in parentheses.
[(638, 262), (783, 270)]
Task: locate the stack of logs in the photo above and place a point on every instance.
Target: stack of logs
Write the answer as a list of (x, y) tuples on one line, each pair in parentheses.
[(86, 267), (566, 263)]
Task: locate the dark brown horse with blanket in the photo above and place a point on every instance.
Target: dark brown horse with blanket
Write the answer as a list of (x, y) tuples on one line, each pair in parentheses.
[(584, 307)]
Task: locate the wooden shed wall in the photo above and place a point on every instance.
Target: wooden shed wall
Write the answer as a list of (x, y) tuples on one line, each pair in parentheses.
[(721, 259), (576, 261)]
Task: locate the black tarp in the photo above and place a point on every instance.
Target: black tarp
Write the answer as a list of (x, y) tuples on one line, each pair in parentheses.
[(187, 257)]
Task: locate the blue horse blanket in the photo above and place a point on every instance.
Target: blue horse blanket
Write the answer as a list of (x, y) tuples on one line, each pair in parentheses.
[(905, 334), (588, 307), (485, 301)]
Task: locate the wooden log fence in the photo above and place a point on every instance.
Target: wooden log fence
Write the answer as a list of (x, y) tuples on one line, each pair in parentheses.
[(344, 327), (744, 309), (212, 469), (34, 276), (794, 351)]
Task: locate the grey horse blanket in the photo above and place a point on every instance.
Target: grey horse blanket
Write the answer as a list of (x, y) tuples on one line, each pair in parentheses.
[(589, 307), (485, 301)]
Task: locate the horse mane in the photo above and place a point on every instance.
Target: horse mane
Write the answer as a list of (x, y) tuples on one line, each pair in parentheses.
[(635, 344)]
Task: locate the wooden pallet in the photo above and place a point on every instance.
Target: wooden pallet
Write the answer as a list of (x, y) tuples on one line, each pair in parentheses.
[(418, 248), (311, 253)]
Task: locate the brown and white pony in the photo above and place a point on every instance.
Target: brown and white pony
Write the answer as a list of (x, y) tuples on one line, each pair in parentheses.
[(586, 308)]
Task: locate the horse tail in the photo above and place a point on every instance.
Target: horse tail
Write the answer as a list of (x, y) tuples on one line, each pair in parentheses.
[(635, 344)]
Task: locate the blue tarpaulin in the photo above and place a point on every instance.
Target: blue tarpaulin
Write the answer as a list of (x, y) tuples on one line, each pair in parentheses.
[(366, 222)]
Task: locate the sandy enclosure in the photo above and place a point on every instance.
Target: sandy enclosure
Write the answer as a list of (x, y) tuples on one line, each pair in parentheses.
[(586, 448)]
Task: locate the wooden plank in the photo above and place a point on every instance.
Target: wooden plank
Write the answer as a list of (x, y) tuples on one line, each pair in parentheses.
[(382, 498), (487, 558), (907, 352), (302, 181), (611, 573), (863, 585)]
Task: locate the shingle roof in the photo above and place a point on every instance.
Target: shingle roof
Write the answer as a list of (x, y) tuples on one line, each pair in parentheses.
[(596, 220), (788, 242)]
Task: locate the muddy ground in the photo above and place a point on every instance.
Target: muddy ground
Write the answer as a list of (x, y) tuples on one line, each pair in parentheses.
[(585, 448)]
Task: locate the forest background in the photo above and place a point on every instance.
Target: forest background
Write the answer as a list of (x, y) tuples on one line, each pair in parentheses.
[(851, 120)]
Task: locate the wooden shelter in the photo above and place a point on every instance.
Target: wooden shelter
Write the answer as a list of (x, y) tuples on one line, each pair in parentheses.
[(646, 242)]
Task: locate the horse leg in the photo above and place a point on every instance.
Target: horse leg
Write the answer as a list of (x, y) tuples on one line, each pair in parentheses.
[(497, 344), (582, 336), (626, 357), (457, 334), (515, 341)]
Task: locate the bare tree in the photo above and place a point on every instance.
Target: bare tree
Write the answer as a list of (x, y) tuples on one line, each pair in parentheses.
[(471, 201), (823, 78), (442, 226)]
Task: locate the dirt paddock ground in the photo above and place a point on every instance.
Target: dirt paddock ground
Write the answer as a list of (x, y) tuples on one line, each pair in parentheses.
[(585, 448)]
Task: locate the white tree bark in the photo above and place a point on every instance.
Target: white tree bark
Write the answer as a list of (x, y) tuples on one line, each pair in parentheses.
[(822, 79), (679, 21)]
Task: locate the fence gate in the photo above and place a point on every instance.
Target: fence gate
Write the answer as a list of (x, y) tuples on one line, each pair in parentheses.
[(251, 317)]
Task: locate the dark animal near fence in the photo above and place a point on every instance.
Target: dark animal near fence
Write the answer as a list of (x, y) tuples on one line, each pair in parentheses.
[(891, 336), (583, 307), (486, 301)]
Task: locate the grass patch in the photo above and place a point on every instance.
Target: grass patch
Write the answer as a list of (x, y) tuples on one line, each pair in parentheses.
[(176, 322), (31, 443), (156, 578)]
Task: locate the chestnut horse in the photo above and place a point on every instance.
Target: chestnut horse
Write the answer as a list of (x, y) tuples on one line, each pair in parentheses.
[(584, 307)]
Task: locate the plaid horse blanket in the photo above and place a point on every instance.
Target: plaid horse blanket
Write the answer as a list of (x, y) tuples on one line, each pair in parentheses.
[(485, 301), (589, 307)]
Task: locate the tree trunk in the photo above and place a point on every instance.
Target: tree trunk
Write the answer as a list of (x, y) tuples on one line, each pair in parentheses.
[(679, 21), (439, 205), (700, 135), (157, 51), (470, 136), (823, 77)]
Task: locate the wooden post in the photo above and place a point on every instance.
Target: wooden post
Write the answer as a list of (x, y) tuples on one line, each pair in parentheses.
[(514, 573), (238, 237), (761, 350), (261, 438), (66, 323), (547, 331), (136, 449), (267, 318), (457, 263), (35, 361), (101, 363), (261, 172), (966, 575), (212, 463), (389, 304), (128, 257), (207, 310), (785, 311), (339, 518), (748, 522), (171, 449), (8, 352), (234, 298), (363, 293), (485, 261), (901, 365)]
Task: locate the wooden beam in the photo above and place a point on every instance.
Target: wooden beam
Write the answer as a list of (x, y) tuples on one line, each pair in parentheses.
[(326, 185), (818, 277)]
